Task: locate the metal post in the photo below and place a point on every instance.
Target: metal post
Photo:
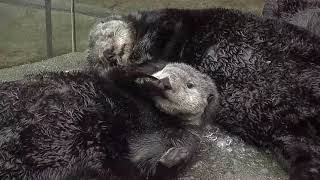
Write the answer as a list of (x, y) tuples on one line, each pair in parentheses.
[(48, 27), (73, 24)]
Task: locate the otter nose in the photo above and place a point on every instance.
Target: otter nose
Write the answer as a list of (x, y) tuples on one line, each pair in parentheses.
[(164, 83), (110, 57), (107, 53)]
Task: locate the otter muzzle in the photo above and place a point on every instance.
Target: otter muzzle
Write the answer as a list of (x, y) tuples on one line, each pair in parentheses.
[(163, 83)]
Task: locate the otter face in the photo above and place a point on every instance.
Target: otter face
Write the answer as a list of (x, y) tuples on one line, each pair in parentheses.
[(189, 93), (111, 43)]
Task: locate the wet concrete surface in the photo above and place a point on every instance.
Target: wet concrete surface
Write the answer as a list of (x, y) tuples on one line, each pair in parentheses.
[(222, 156), (227, 157), (66, 62)]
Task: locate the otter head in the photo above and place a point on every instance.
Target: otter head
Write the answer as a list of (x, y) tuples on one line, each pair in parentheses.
[(110, 43), (188, 94)]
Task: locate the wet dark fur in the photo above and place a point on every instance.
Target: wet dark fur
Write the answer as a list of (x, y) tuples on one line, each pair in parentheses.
[(279, 8), (303, 13), (85, 125), (268, 74)]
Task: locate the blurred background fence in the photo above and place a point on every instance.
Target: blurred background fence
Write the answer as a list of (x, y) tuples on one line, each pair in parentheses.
[(23, 35)]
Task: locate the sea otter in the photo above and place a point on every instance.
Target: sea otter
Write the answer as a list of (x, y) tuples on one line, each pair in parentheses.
[(83, 125), (267, 72)]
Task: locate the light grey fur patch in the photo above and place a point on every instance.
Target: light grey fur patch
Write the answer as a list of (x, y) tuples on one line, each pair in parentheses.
[(112, 38), (189, 95)]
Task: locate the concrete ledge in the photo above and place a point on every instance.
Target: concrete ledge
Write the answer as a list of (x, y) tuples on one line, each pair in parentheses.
[(66, 62)]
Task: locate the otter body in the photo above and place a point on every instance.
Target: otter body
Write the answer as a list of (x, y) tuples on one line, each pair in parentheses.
[(86, 125), (267, 74)]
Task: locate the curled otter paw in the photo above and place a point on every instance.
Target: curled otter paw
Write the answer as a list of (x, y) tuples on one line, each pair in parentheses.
[(174, 156)]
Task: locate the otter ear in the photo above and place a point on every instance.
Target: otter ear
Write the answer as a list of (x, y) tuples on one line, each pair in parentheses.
[(210, 98), (211, 108)]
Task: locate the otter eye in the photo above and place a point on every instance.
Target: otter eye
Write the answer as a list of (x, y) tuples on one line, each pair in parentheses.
[(190, 85)]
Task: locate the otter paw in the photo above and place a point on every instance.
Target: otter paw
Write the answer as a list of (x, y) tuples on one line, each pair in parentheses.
[(174, 156)]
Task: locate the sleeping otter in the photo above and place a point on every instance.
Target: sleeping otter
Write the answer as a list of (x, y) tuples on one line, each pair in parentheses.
[(99, 125), (267, 72)]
